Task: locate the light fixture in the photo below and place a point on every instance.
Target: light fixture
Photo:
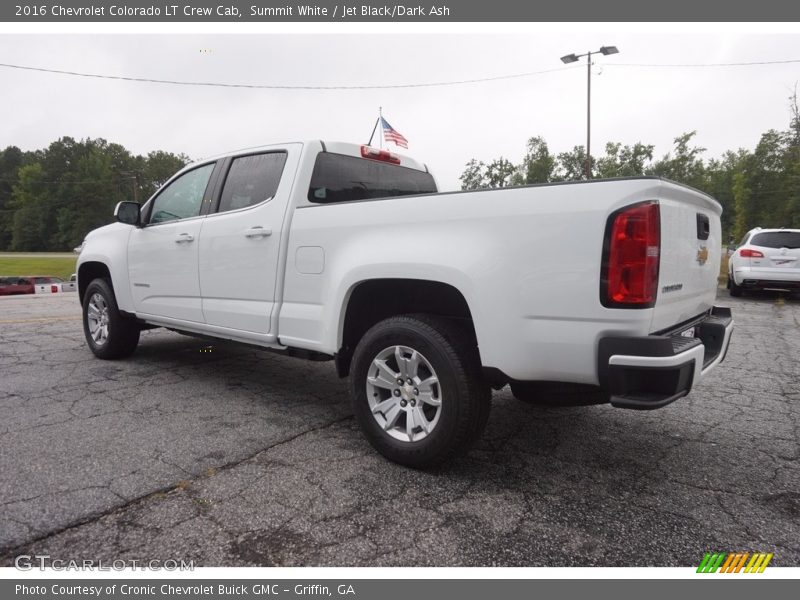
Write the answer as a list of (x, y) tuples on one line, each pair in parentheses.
[(571, 58)]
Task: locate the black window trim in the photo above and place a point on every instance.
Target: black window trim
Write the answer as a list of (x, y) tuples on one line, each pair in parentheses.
[(215, 183)]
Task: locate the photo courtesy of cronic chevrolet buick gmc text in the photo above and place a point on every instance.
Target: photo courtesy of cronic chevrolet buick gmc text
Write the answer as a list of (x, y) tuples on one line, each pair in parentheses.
[(767, 259), (601, 291)]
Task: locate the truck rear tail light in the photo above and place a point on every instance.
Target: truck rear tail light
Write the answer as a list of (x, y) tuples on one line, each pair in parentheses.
[(631, 251), (747, 253), (381, 155)]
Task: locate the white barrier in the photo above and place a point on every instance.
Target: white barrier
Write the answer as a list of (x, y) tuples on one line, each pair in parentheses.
[(55, 288)]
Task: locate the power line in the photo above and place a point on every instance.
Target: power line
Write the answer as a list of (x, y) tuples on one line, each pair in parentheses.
[(383, 87), (692, 65), (285, 87)]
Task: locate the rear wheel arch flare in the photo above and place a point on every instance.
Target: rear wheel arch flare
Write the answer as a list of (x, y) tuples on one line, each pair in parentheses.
[(373, 300)]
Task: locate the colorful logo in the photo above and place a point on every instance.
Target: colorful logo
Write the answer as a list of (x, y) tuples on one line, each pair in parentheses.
[(734, 562)]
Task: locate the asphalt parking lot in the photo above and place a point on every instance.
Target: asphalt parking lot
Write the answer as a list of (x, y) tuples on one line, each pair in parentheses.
[(227, 455)]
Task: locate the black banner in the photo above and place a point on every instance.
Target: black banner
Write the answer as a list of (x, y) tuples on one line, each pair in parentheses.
[(452, 11), (730, 588)]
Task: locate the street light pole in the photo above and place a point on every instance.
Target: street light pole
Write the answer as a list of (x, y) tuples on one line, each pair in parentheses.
[(571, 58), (587, 163)]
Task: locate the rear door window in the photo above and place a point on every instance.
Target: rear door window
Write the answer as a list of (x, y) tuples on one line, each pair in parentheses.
[(777, 239), (340, 178), (251, 180)]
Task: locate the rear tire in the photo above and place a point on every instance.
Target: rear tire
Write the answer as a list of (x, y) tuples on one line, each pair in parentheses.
[(733, 289), (110, 334), (416, 389)]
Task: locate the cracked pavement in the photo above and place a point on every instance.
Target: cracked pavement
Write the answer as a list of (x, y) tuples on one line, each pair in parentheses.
[(231, 456)]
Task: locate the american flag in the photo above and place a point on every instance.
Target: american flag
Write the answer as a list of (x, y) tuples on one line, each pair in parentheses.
[(391, 135)]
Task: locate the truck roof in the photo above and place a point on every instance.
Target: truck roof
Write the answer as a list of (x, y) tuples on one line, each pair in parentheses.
[(346, 148)]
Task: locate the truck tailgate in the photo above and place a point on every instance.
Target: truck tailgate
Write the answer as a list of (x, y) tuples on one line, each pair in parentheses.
[(691, 248)]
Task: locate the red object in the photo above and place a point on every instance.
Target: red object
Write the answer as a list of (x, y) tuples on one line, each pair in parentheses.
[(747, 253), (11, 286), (633, 256), (381, 155), (25, 284)]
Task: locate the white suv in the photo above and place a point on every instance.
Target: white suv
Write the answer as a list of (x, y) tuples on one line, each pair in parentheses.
[(766, 259)]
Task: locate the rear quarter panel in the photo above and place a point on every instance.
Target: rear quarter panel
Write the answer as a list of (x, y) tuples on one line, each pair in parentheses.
[(527, 261)]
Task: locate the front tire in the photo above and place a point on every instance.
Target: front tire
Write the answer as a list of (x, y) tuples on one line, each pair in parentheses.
[(109, 334), (417, 392)]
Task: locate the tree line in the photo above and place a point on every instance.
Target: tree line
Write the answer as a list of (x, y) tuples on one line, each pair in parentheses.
[(757, 188), (51, 198)]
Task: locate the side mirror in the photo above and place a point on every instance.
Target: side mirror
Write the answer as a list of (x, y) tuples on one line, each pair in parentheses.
[(128, 213)]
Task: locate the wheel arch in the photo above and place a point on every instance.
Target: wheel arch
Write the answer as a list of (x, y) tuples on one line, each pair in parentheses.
[(89, 271), (370, 301)]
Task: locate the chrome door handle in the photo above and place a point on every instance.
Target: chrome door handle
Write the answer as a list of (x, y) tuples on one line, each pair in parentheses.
[(257, 231), (184, 237)]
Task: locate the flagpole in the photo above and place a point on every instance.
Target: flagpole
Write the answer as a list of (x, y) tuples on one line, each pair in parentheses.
[(369, 143), (380, 118)]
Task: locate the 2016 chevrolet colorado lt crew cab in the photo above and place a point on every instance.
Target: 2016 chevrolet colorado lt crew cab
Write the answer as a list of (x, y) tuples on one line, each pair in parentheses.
[(426, 300)]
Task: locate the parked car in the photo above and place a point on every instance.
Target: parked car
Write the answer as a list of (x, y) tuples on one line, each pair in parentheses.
[(766, 259), (327, 250), (11, 286), (25, 284)]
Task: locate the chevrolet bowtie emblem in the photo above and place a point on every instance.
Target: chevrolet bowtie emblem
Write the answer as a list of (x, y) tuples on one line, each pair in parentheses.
[(702, 255)]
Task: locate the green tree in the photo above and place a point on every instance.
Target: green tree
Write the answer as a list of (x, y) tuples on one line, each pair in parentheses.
[(94, 190), (720, 185), (684, 164), (50, 198), (474, 176), (571, 166), (742, 206), (11, 159), (500, 173), (539, 165), (762, 186), (624, 161), (157, 168), (792, 173), (32, 223)]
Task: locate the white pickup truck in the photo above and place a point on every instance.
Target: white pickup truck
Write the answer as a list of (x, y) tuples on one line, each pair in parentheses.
[(600, 291)]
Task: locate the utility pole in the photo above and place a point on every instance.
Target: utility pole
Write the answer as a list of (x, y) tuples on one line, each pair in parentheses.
[(571, 58), (134, 178)]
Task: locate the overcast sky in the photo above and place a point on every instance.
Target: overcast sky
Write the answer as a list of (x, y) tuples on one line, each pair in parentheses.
[(730, 107)]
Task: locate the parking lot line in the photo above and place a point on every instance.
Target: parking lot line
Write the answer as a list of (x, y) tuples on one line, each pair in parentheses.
[(46, 320)]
